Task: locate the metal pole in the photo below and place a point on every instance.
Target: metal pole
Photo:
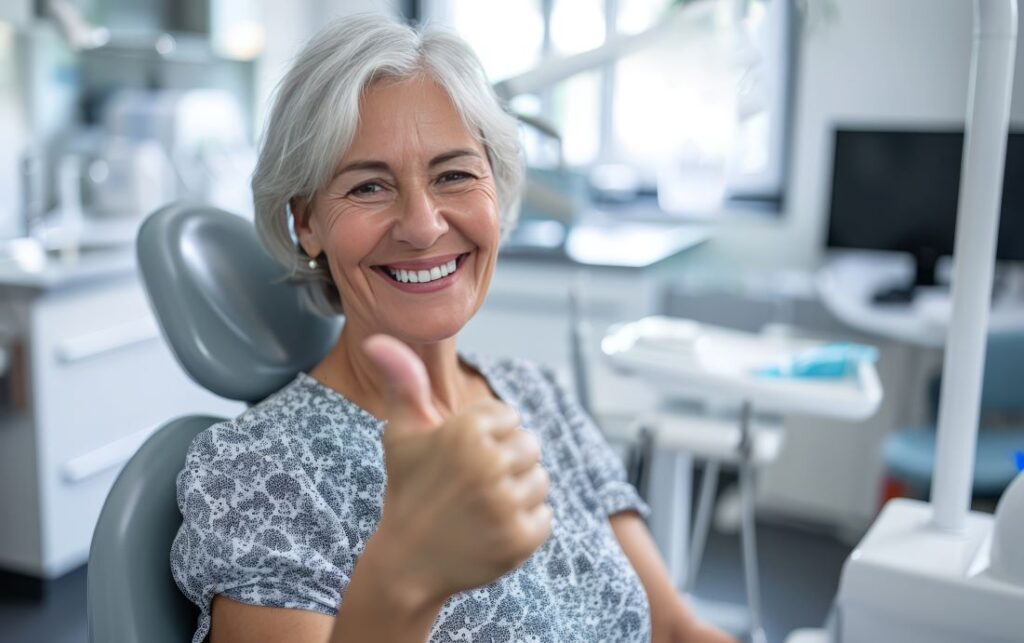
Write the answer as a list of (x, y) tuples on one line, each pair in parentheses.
[(702, 523), (749, 542), (988, 113)]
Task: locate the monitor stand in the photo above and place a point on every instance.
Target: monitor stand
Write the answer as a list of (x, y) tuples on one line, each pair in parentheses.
[(902, 294)]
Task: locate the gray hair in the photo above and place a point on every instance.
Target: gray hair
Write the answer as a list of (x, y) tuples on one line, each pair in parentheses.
[(316, 113)]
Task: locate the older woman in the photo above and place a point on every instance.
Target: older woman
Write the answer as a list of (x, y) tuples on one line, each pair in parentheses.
[(400, 491)]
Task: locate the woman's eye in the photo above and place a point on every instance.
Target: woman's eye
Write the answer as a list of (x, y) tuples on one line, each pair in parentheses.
[(367, 189), (453, 176)]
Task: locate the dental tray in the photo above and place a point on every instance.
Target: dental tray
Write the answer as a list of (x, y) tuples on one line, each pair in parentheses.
[(684, 357)]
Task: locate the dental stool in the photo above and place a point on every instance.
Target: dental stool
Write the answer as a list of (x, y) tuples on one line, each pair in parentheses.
[(239, 329), (909, 453)]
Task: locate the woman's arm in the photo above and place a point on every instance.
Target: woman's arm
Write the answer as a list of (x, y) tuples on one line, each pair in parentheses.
[(379, 605), (671, 619), (382, 602)]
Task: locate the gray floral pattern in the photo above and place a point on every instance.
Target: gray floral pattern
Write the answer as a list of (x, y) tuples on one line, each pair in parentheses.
[(279, 502)]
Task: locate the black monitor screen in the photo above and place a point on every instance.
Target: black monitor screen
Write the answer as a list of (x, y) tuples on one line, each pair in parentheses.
[(897, 190)]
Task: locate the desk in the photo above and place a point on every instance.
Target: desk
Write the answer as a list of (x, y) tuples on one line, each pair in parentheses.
[(847, 283)]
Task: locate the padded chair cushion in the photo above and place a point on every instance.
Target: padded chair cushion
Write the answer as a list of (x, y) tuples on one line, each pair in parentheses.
[(132, 597), (910, 455), (233, 322), (1004, 366)]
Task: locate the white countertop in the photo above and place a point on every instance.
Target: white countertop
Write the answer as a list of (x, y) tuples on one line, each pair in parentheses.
[(24, 264), (846, 285)]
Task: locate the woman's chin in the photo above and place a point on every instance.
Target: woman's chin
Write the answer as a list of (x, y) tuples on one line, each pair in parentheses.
[(428, 332)]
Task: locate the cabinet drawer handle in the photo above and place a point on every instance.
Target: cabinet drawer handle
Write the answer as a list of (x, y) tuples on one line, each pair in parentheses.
[(107, 340), (107, 457)]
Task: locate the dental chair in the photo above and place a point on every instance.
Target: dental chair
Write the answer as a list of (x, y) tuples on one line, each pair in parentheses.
[(238, 329)]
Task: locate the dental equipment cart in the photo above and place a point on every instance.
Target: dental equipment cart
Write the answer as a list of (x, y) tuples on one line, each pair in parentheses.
[(683, 358)]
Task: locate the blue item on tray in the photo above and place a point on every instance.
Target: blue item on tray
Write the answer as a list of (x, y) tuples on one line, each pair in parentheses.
[(828, 361)]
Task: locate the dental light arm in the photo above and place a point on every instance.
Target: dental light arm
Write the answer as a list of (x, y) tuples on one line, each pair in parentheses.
[(988, 117)]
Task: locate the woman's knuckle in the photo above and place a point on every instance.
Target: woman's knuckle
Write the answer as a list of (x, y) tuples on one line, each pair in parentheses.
[(544, 479)]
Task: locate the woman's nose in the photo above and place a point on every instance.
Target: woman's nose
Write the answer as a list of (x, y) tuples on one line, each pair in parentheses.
[(420, 222)]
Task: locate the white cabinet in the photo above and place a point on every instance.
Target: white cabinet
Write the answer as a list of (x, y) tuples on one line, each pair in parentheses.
[(100, 379)]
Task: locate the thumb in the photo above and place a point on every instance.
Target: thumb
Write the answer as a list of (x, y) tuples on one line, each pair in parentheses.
[(408, 402)]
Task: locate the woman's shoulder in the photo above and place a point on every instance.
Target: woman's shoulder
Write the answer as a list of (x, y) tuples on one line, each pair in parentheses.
[(297, 417), (522, 381), (511, 371)]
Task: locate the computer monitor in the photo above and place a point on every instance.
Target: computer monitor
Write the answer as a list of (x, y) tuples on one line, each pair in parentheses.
[(897, 190)]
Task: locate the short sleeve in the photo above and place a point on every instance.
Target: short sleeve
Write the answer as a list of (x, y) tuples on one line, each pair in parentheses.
[(253, 530), (604, 468)]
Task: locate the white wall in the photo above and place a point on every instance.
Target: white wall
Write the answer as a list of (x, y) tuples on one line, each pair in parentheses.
[(878, 62)]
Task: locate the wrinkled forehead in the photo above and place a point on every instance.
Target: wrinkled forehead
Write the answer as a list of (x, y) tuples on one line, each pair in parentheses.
[(403, 118)]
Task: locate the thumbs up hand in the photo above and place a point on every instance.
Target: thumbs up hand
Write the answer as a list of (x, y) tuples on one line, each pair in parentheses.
[(465, 496)]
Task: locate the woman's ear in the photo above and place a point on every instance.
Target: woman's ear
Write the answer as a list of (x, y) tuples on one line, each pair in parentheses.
[(301, 214)]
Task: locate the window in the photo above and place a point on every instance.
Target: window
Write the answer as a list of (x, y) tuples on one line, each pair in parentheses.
[(13, 128), (695, 105)]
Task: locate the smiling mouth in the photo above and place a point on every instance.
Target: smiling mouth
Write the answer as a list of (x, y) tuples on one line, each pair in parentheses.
[(423, 275)]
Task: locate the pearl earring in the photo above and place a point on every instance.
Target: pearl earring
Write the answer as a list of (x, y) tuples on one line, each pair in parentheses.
[(312, 264)]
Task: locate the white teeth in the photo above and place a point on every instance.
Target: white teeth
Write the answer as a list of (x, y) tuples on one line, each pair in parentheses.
[(423, 276)]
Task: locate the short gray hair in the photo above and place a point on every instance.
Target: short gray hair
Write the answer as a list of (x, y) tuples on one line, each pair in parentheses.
[(316, 113)]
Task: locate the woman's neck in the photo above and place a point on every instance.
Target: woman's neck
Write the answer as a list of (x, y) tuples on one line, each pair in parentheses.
[(347, 370)]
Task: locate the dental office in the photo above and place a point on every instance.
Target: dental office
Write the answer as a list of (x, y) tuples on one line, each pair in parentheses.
[(536, 320)]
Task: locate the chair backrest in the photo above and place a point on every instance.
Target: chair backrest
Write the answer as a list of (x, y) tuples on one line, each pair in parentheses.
[(236, 326), (132, 597), (241, 331)]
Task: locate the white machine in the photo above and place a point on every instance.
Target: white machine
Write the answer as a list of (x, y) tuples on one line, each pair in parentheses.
[(937, 572)]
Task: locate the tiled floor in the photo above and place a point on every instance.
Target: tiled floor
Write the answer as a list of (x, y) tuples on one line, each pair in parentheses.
[(799, 576), (801, 569)]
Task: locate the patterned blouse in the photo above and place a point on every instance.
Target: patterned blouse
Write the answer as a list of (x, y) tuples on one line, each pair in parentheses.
[(279, 503)]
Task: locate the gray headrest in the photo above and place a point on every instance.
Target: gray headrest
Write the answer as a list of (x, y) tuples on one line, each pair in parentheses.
[(233, 323)]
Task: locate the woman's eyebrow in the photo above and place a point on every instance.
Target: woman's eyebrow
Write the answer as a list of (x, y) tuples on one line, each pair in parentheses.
[(381, 165), (363, 165), (454, 154)]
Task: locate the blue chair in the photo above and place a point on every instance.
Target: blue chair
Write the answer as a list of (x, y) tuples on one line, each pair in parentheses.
[(909, 454), (239, 330)]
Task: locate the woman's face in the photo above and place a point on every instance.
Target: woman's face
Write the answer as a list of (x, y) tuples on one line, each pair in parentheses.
[(412, 198)]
